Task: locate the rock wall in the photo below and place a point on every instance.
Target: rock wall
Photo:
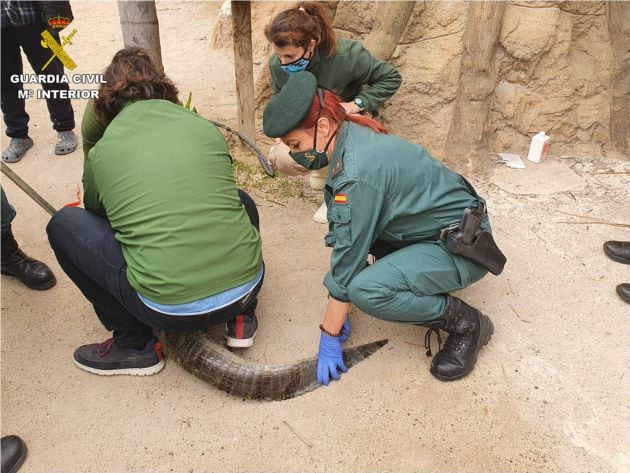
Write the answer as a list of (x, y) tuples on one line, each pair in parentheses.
[(554, 63)]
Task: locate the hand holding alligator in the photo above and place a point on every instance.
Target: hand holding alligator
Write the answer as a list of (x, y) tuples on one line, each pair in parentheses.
[(345, 330), (329, 358)]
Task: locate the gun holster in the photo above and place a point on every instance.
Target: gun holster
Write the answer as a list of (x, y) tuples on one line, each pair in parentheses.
[(462, 239)]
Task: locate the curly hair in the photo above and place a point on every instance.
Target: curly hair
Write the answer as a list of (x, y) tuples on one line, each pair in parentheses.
[(132, 75)]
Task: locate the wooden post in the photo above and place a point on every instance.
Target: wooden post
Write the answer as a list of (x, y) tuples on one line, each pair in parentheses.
[(140, 27), (389, 23), (619, 27), (477, 81), (244, 67)]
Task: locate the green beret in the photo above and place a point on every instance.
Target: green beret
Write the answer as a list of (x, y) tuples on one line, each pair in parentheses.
[(287, 108)]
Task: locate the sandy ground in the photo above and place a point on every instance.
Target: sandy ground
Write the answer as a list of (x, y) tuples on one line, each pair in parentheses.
[(550, 393)]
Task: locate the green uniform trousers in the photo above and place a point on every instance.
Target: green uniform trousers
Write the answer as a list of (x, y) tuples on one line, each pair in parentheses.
[(410, 284)]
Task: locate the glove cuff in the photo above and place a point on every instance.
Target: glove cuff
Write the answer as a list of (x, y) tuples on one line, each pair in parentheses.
[(330, 334)]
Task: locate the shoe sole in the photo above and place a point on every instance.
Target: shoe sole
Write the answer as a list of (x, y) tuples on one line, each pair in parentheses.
[(487, 336), (61, 153), (37, 287), (240, 342), (149, 370), (618, 259)]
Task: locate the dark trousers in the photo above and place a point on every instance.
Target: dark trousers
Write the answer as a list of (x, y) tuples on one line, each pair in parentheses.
[(8, 213), (88, 252), (13, 107)]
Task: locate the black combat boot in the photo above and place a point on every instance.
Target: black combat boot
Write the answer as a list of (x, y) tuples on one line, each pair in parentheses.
[(32, 273), (468, 331)]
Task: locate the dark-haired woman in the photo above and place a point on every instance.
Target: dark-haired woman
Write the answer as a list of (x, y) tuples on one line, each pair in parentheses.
[(166, 240), (394, 209), (303, 38)]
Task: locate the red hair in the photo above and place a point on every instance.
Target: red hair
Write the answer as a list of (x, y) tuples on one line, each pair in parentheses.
[(336, 113)]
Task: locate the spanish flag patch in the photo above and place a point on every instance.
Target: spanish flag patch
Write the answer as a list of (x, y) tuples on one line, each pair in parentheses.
[(341, 199)]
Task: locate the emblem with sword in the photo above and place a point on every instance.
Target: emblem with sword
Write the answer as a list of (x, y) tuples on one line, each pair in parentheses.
[(57, 49)]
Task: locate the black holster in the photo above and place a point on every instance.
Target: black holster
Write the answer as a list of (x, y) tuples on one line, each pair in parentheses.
[(483, 250), (464, 239)]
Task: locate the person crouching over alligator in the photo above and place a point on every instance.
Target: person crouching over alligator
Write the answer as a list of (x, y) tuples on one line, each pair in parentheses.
[(425, 225), (166, 241)]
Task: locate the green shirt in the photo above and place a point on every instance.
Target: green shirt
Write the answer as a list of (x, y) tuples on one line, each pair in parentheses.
[(162, 176), (352, 71), (370, 196), (91, 129)]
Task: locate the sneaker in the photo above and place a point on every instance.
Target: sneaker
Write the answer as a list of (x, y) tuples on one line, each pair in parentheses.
[(17, 149), (66, 142), (241, 331), (321, 215), (108, 358)]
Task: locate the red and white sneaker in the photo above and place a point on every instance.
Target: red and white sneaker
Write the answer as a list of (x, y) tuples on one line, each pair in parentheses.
[(241, 331)]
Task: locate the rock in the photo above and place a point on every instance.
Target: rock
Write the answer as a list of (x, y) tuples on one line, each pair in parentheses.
[(549, 177), (528, 32), (583, 8)]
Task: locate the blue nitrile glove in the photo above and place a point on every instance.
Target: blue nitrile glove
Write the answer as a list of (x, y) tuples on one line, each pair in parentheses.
[(345, 330), (329, 359)]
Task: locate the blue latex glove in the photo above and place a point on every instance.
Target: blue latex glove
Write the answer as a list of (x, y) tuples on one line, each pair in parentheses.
[(329, 359), (345, 330)]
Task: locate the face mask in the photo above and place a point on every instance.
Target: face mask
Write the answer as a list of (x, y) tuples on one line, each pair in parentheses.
[(298, 65), (313, 159)]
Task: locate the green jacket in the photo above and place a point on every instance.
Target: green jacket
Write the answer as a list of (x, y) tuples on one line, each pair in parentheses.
[(91, 129), (162, 176), (352, 71), (369, 196)]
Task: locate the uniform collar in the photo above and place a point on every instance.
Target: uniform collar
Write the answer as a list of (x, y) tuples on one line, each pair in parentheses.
[(314, 59), (336, 162)]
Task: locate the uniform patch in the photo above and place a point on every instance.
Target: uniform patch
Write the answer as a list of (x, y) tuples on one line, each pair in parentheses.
[(341, 199), (338, 167)]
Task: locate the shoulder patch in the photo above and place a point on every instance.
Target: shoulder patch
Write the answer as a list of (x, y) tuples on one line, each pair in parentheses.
[(337, 168), (341, 199)]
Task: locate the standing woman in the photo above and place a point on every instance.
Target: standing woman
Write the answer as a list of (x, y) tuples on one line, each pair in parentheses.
[(303, 39), (403, 212)]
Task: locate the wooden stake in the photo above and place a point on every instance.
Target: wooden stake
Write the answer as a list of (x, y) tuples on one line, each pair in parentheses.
[(244, 67)]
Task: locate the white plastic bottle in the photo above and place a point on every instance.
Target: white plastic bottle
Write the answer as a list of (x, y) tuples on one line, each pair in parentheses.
[(538, 148)]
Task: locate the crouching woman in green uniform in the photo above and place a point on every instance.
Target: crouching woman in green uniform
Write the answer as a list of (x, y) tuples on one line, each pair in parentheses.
[(393, 209), (166, 240)]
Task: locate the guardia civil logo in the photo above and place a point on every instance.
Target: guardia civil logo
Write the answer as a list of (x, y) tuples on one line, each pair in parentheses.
[(48, 41)]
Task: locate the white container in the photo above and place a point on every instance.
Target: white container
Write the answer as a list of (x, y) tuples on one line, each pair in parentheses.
[(538, 148)]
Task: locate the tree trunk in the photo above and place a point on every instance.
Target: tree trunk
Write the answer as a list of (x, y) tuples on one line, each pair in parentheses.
[(477, 80), (619, 27), (244, 66), (389, 23), (140, 27)]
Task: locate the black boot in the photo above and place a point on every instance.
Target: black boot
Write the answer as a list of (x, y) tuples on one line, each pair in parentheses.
[(13, 453), (468, 331), (624, 292), (32, 273)]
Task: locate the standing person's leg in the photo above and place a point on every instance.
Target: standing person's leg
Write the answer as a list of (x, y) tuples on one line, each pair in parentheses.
[(412, 285), (31, 272), (60, 110), (13, 107)]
